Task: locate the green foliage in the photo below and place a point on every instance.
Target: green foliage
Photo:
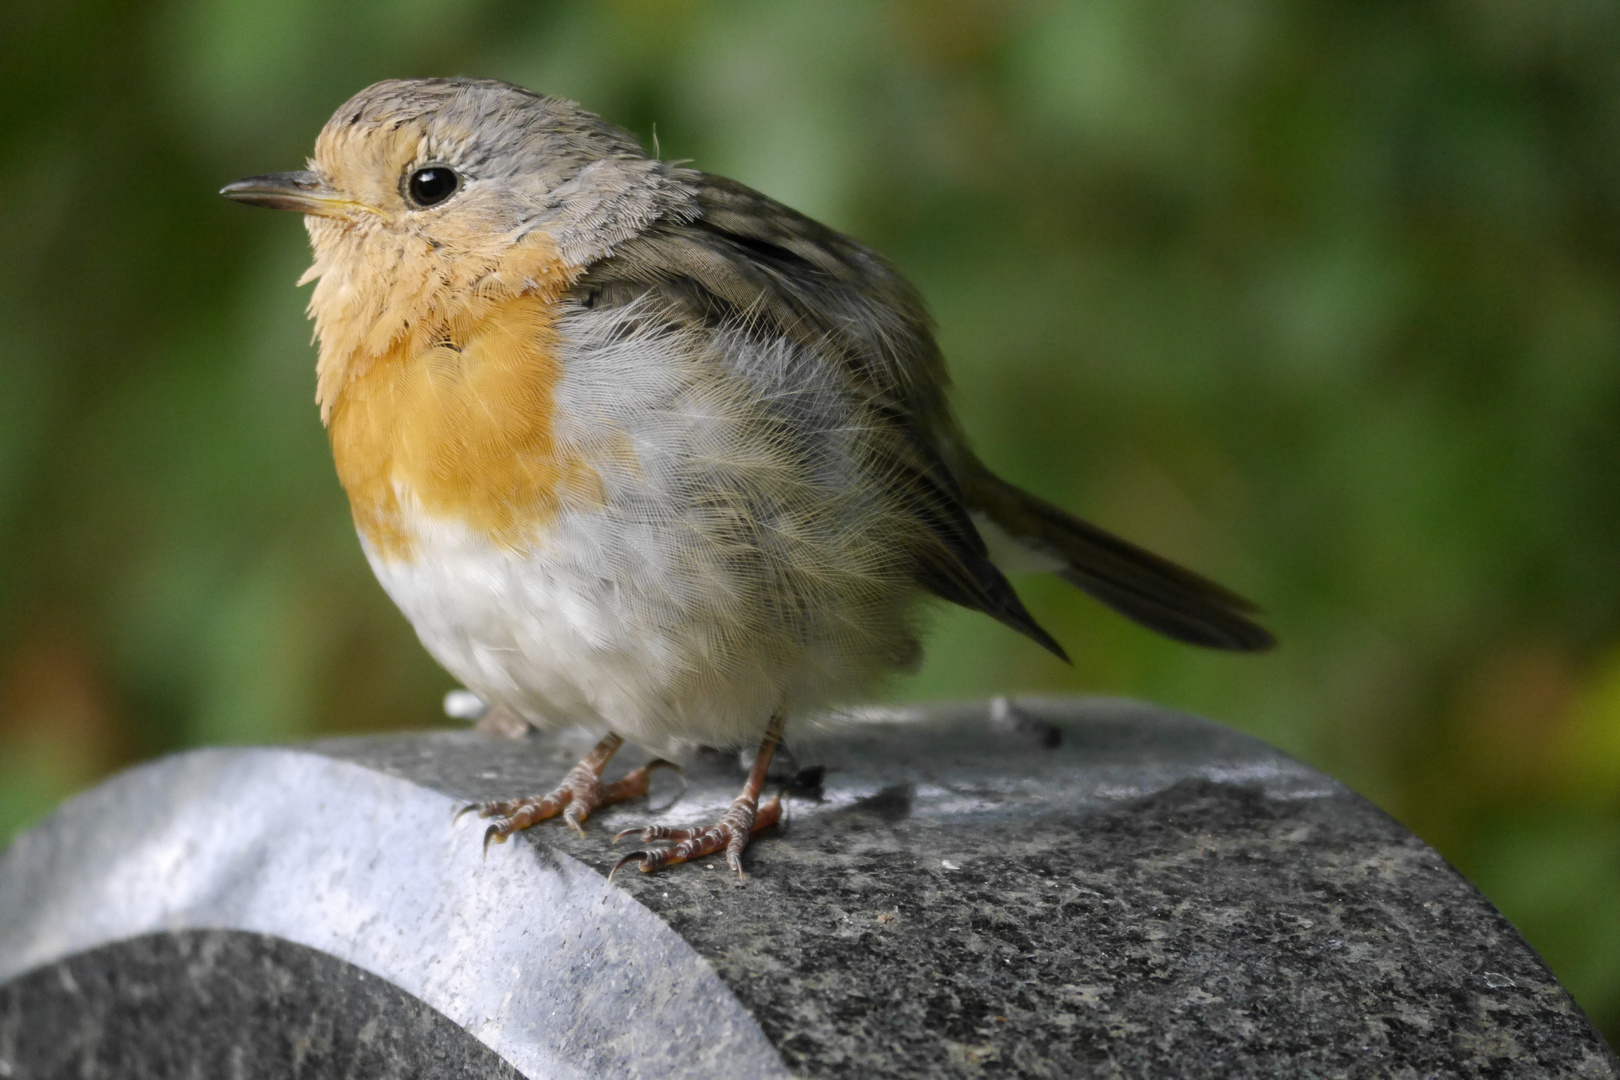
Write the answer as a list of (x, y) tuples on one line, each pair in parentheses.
[(1321, 299)]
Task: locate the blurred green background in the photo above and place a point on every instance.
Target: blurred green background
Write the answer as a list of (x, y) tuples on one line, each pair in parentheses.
[(1322, 299)]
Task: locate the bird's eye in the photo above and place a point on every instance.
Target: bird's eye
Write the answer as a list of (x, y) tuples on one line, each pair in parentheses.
[(431, 186)]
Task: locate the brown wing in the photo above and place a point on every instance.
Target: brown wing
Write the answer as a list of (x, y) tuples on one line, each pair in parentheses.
[(888, 346), (748, 264)]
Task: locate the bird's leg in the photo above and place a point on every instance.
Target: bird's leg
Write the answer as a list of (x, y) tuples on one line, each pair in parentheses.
[(745, 817), (580, 792)]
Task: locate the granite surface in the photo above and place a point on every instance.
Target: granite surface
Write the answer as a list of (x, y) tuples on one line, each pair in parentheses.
[(557, 974), (1051, 889), (1144, 895), (228, 1004)]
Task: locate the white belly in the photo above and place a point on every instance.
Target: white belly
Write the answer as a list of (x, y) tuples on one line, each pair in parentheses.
[(729, 573), (542, 636), (588, 630)]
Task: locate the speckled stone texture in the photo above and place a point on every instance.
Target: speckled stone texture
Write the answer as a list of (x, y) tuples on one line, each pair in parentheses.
[(1056, 889), (226, 1004), (1154, 896)]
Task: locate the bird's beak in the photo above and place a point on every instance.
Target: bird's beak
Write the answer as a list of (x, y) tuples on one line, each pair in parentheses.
[(302, 191)]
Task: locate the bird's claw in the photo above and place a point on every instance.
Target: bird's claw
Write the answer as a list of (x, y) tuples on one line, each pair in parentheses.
[(740, 821), (580, 792)]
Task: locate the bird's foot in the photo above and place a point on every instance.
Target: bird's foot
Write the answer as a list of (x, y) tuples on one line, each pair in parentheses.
[(744, 818), (580, 792)]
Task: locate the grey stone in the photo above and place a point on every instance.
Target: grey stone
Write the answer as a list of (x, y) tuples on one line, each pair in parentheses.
[(1051, 889), (225, 1003)]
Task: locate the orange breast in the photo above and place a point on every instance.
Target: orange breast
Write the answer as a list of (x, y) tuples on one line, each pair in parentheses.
[(463, 429)]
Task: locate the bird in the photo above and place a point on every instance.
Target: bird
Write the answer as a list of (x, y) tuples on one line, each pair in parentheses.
[(639, 448)]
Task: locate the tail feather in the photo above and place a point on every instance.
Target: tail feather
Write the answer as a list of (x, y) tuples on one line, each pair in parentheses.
[(1138, 584)]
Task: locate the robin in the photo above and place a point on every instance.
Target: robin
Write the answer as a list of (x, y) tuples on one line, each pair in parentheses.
[(638, 447)]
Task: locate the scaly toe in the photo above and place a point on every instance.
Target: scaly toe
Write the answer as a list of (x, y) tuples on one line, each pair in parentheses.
[(730, 834), (574, 817), (650, 833), (501, 808)]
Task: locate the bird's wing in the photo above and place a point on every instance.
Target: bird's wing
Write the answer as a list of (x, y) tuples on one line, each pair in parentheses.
[(742, 262), (835, 288)]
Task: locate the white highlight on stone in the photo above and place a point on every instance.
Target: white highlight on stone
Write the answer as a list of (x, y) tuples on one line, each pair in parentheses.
[(530, 951)]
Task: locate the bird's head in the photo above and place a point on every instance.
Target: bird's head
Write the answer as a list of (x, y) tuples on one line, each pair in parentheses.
[(427, 199)]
